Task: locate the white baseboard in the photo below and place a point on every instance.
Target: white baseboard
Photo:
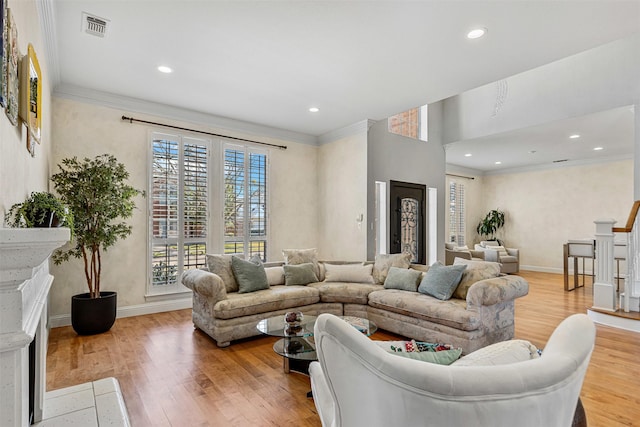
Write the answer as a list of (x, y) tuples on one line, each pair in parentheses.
[(132, 310)]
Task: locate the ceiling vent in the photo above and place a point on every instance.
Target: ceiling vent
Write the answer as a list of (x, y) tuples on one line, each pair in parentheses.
[(561, 161), (94, 25)]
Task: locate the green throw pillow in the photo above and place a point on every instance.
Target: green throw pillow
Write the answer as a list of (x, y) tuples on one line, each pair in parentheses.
[(250, 275), (444, 357), (441, 280), (402, 278), (300, 274)]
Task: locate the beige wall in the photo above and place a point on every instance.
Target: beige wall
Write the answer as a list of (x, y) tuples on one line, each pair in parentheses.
[(546, 208), (87, 130), (342, 183), (20, 174)]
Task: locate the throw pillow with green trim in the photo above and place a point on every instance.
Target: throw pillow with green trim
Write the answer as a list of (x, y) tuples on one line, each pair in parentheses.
[(441, 280)]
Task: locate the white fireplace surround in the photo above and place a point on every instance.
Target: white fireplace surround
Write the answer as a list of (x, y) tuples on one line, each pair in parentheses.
[(24, 288)]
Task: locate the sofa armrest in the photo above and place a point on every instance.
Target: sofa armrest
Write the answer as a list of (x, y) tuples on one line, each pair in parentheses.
[(477, 254), (497, 289), (207, 284)]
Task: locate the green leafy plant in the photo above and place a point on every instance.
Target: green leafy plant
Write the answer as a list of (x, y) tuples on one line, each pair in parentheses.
[(493, 221), (97, 193), (41, 209)]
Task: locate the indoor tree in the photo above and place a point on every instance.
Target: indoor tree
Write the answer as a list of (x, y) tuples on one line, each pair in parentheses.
[(493, 221)]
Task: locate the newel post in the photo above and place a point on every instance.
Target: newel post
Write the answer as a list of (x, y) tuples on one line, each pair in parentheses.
[(604, 291)]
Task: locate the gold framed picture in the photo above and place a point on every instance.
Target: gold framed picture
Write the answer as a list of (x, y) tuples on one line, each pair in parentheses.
[(31, 93)]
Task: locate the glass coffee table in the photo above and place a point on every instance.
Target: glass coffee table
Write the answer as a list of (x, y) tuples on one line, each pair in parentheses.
[(297, 346)]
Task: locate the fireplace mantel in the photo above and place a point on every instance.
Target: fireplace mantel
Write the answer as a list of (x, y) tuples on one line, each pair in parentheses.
[(24, 288)]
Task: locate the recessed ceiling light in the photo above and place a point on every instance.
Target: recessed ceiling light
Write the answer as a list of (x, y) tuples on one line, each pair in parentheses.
[(498, 163), (314, 109), (598, 148), (165, 69), (468, 155), (574, 136), (476, 33)]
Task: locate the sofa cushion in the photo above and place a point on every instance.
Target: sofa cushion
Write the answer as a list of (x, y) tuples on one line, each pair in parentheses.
[(413, 304), (275, 275), (301, 274), (221, 265), (402, 278), (357, 273), (278, 297), (475, 271), (345, 292), (385, 261), (441, 280), (250, 275), (302, 256)]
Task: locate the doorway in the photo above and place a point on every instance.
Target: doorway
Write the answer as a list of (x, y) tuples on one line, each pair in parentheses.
[(407, 219)]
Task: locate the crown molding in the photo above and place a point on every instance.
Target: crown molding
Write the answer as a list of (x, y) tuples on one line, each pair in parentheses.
[(354, 129), (46, 16), (566, 164), (107, 99)]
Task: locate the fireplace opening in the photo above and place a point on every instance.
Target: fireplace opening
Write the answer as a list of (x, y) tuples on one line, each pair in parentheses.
[(32, 378)]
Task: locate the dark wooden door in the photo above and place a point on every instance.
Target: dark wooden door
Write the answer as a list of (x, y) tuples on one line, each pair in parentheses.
[(407, 219)]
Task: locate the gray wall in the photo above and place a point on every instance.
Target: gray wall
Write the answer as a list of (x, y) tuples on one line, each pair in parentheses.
[(393, 157)]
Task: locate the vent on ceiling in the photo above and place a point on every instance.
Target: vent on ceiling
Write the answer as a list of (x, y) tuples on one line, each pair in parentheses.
[(94, 25), (561, 161)]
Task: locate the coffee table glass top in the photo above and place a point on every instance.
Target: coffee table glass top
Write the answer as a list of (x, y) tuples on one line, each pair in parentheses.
[(277, 327)]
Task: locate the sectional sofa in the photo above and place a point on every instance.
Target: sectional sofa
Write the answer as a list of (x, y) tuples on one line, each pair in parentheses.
[(480, 314)]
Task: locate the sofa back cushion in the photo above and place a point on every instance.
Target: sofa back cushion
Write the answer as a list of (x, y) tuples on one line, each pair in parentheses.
[(475, 271), (275, 275), (351, 273), (385, 261), (221, 265)]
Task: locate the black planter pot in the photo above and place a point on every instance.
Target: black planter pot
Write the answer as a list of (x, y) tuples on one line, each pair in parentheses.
[(50, 220), (90, 316)]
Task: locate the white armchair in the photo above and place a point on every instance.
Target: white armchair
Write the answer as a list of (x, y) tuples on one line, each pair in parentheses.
[(508, 257), (356, 383)]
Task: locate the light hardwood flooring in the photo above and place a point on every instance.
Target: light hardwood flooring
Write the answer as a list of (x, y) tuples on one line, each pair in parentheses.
[(174, 375)]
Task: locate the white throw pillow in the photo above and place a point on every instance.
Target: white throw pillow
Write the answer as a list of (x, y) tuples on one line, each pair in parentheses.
[(356, 273), (501, 353), (275, 275)]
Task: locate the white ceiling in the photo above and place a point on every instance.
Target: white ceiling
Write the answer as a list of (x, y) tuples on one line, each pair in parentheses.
[(267, 62), (549, 144)]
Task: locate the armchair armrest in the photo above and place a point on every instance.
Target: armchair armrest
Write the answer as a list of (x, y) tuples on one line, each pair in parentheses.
[(451, 255), (497, 289), (513, 252), (477, 254), (205, 283), (491, 255)]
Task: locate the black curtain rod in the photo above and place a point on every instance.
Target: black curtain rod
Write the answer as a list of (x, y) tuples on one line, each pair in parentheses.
[(131, 120), (460, 176)]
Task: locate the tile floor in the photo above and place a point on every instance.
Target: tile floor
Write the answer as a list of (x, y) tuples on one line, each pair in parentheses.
[(95, 404)]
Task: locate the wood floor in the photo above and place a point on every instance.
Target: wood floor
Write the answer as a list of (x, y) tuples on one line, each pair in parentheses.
[(174, 375)]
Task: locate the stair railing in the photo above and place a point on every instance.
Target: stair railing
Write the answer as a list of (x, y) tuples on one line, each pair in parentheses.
[(631, 296)]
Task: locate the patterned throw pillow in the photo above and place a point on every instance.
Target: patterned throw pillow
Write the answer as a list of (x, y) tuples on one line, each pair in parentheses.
[(221, 265), (302, 256), (501, 353), (475, 271), (442, 354), (385, 261)]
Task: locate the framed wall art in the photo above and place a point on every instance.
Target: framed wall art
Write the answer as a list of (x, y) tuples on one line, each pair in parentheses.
[(31, 93), (3, 53), (13, 79)]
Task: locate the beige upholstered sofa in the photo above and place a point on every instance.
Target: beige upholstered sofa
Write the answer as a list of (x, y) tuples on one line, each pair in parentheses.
[(485, 316)]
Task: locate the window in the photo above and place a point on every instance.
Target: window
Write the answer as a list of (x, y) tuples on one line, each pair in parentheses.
[(179, 197), (245, 201), (412, 123), (456, 213)]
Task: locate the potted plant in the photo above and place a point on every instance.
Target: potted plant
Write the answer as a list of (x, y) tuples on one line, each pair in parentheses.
[(493, 221), (97, 193), (41, 209)]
